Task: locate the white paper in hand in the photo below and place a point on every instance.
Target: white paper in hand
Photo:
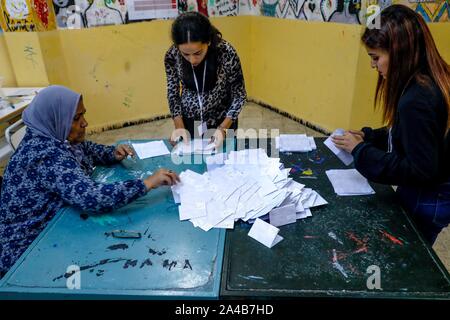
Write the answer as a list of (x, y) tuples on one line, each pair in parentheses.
[(344, 156)]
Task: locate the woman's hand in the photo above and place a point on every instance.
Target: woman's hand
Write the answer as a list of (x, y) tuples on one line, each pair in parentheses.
[(358, 133), (161, 177), (122, 151), (347, 141), (218, 136), (177, 134)]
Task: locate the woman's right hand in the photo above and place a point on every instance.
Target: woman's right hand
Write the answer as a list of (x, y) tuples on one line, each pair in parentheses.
[(177, 134), (179, 131), (161, 177)]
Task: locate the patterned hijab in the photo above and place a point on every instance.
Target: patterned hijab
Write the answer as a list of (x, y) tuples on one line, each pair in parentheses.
[(51, 112)]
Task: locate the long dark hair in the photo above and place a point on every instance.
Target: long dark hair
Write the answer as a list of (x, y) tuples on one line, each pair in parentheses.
[(404, 34), (196, 27)]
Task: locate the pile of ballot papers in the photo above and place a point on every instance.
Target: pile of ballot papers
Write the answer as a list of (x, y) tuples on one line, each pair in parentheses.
[(245, 185), (295, 143)]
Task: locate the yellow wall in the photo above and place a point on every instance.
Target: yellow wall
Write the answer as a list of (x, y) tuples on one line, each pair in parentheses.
[(315, 71), (305, 68), (26, 58), (319, 72), (120, 69), (6, 70), (363, 113)]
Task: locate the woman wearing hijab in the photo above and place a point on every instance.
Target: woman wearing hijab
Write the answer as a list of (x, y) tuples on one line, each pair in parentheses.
[(52, 167)]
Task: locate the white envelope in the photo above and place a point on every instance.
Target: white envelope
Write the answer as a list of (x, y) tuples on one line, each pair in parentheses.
[(265, 233)]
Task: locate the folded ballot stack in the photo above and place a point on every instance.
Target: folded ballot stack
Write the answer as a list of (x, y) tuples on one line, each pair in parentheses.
[(295, 143), (245, 185)]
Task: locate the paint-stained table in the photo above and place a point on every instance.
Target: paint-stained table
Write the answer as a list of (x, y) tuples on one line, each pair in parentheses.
[(348, 248), (171, 260)]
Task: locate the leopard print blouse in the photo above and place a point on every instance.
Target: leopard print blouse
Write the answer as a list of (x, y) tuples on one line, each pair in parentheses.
[(225, 99)]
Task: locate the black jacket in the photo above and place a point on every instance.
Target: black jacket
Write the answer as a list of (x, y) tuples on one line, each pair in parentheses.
[(420, 148)]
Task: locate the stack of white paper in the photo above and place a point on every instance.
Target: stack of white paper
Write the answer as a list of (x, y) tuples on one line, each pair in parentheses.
[(248, 185), (215, 161), (295, 143), (344, 156), (150, 149), (349, 182)]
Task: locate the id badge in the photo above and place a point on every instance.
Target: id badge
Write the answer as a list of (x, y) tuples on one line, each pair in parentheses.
[(202, 128)]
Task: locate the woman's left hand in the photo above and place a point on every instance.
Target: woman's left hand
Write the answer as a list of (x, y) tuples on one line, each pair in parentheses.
[(347, 141), (122, 151)]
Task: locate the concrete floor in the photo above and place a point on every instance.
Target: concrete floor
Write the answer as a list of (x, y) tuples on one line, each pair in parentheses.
[(252, 116)]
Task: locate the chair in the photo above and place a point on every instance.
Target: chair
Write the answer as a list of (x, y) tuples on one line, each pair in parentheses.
[(15, 133)]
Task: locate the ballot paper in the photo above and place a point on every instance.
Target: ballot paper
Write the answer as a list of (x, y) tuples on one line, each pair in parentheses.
[(283, 215), (295, 143), (176, 192), (150, 149), (215, 161), (304, 214), (265, 233), (192, 210), (344, 156), (247, 185), (195, 146), (349, 182)]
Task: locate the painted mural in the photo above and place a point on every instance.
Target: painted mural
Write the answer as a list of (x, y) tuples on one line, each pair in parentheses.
[(342, 11), (431, 11), (249, 7), (43, 14), (38, 15), (223, 8), (76, 14), (17, 15)]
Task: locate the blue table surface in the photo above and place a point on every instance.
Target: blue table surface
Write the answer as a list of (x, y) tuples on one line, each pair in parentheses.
[(172, 259)]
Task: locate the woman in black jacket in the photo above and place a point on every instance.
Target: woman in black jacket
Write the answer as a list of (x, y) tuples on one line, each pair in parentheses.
[(413, 89)]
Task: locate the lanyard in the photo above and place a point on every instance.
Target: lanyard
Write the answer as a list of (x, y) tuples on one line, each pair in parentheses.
[(200, 102), (390, 149)]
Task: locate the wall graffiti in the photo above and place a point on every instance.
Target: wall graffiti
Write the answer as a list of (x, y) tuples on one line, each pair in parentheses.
[(431, 11), (249, 7), (223, 8), (37, 15), (341, 11), (68, 14), (43, 15), (17, 15), (76, 14)]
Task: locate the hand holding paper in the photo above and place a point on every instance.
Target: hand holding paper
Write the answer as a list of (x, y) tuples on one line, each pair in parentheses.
[(347, 141), (343, 155)]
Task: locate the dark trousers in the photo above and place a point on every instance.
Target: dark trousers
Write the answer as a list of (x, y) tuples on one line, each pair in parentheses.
[(428, 208), (191, 126)]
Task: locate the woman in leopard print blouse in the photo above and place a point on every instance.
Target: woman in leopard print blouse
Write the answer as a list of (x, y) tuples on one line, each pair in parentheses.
[(204, 78)]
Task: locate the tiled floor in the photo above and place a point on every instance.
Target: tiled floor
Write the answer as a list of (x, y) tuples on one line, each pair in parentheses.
[(252, 116)]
